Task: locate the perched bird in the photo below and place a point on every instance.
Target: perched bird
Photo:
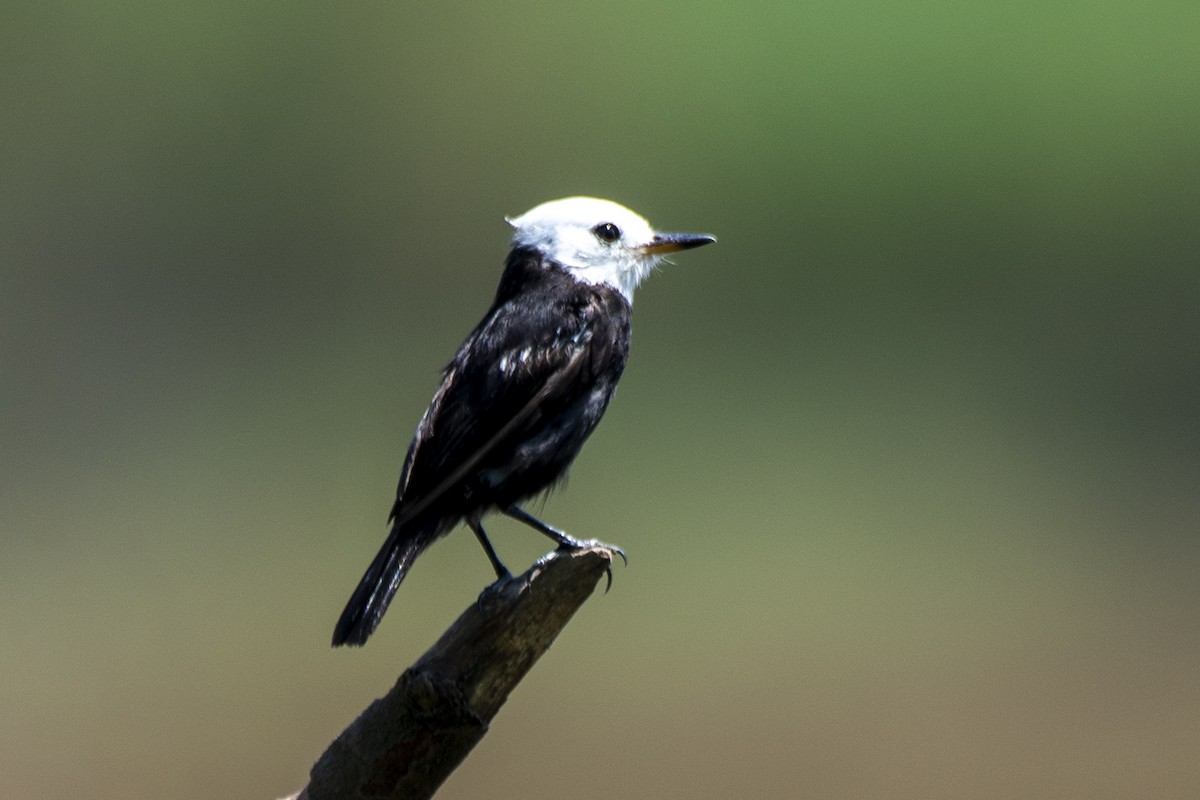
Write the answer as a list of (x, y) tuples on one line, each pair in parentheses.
[(524, 391)]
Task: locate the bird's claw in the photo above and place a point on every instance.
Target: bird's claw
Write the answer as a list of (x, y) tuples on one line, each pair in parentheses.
[(493, 591), (573, 544)]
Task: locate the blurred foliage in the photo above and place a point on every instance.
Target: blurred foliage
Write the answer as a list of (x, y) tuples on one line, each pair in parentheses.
[(906, 465)]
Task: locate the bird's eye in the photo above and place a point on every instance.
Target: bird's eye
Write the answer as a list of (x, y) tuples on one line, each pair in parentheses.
[(607, 232)]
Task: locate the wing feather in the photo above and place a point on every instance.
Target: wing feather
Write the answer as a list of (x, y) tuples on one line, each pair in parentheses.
[(497, 386), (527, 415)]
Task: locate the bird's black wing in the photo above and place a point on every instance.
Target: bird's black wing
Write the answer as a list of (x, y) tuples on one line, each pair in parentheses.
[(505, 379), (496, 390)]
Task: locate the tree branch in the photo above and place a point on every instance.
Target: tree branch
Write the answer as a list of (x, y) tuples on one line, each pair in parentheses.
[(405, 744)]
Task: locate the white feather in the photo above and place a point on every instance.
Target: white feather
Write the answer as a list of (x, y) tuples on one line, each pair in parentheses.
[(564, 231)]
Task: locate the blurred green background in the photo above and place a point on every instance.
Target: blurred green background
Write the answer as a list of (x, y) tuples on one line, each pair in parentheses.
[(907, 466)]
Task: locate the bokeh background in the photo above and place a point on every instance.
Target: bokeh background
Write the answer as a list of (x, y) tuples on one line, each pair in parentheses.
[(907, 466)]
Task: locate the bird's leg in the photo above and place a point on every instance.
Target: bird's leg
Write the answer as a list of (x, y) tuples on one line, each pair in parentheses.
[(565, 541), (502, 572)]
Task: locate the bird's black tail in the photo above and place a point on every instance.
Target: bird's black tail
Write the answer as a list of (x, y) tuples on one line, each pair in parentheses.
[(380, 582)]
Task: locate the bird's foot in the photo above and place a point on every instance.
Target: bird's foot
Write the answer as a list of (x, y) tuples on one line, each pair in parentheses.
[(570, 544), (494, 591), (566, 541)]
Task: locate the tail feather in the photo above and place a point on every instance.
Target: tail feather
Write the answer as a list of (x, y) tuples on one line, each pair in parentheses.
[(379, 584)]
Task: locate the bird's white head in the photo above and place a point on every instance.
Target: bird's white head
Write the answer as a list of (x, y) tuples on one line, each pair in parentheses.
[(598, 241)]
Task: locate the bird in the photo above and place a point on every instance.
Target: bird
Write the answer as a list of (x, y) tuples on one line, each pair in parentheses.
[(523, 392)]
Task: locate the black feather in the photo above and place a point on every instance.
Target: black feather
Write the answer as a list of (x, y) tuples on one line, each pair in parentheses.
[(515, 405)]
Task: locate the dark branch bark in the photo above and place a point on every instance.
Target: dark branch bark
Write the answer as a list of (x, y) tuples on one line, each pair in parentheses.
[(405, 744)]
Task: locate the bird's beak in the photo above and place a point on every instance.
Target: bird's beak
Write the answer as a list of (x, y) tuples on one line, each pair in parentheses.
[(674, 242)]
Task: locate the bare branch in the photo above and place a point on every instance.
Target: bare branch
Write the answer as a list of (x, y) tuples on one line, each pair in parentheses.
[(405, 744)]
